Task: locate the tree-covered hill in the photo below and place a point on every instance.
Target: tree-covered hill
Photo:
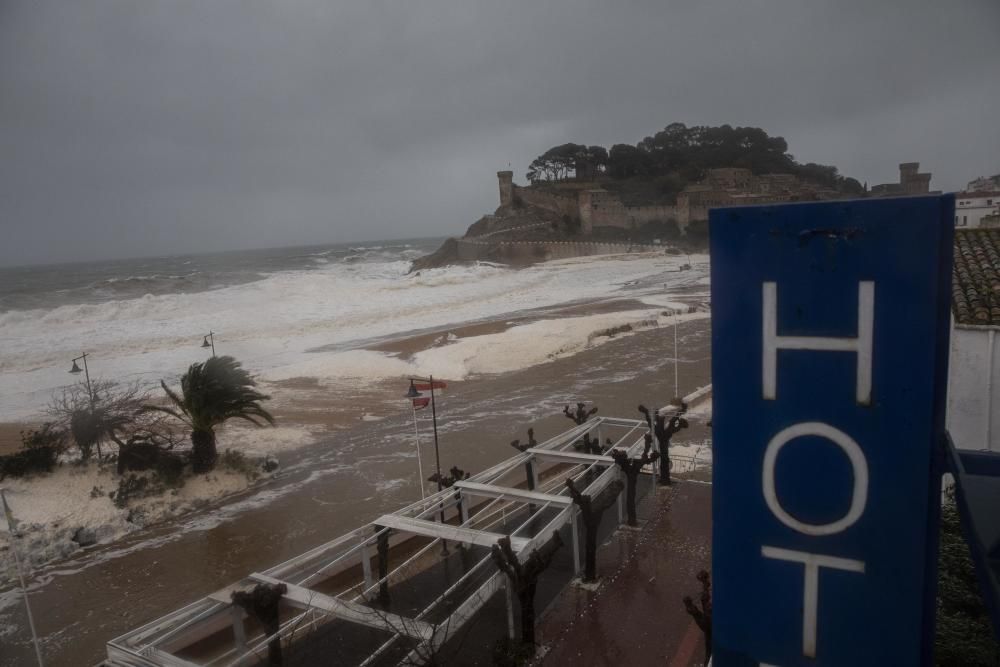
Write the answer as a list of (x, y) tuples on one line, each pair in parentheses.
[(679, 155)]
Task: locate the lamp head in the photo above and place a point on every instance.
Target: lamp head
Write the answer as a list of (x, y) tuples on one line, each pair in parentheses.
[(205, 343), (76, 369), (413, 393)]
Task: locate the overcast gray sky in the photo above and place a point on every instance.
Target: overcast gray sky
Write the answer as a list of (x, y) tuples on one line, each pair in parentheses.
[(161, 126)]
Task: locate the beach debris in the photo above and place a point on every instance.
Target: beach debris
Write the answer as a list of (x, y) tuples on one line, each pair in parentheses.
[(85, 537), (523, 578), (703, 616), (591, 511), (632, 467), (269, 464)]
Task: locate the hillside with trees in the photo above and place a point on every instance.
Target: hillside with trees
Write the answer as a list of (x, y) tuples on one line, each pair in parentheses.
[(651, 174), (659, 166)]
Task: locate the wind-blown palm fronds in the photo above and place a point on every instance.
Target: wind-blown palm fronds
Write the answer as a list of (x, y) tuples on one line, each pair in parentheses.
[(213, 392)]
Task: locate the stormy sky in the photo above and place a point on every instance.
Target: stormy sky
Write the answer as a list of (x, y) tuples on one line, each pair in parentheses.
[(164, 126)]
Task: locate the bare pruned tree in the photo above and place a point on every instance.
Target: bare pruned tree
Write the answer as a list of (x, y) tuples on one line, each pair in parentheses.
[(591, 510), (529, 470), (448, 481), (632, 467), (579, 417), (262, 603), (664, 430), (516, 444), (703, 617), (111, 413), (524, 578)]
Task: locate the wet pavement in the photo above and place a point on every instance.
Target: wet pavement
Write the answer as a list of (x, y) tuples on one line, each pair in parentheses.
[(636, 615)]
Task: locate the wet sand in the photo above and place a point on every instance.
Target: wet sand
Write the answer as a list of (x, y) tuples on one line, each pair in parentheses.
[(10, 436), (358, 469)]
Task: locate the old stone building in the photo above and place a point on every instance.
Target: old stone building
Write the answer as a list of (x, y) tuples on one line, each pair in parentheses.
[(740, 187), (911, 182), (595, 206)]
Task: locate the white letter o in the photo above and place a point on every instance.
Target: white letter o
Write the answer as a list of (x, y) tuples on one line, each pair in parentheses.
[(859, 496)]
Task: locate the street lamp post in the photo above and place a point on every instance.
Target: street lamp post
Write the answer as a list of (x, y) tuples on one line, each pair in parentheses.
[(86, 371), (209, 341)]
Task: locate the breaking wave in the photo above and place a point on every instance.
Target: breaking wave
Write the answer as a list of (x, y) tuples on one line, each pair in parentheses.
[(274, 321)]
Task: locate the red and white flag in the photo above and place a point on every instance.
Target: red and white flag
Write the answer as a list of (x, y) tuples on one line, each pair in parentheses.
[(426, 386)]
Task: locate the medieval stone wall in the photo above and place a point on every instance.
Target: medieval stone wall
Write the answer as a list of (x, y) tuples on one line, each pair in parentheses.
[(561, 203), (526, 252)]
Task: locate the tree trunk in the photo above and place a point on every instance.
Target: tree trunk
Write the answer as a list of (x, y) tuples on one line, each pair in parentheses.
[(274, 657), (631, 481), (526, 600), (590, 548), (203, 452), (664, 461)]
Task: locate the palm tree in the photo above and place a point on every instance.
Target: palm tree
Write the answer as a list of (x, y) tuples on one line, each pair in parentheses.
[(212, 392)]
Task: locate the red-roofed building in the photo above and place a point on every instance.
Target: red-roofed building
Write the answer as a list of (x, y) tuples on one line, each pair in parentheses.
[(974, 368)]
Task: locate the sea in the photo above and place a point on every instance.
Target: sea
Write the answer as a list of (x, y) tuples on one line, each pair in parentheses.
[(283, 312)]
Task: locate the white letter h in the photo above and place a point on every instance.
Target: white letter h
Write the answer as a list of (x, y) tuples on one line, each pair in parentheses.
[(861, 344)]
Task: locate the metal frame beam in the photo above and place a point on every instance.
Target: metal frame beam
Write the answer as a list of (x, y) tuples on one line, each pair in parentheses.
[(509, 493), (570, 457), (445, 531), (351, 611)]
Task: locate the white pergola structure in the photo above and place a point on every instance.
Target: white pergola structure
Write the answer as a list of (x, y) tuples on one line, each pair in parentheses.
[(334, 587)]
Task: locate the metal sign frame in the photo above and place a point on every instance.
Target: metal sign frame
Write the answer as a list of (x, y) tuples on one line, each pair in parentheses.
[(829, 367)]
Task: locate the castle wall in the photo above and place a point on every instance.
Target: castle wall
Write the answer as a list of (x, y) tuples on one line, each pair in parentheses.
[(600, 208), (561, 204), (526, 252), (593, 207)]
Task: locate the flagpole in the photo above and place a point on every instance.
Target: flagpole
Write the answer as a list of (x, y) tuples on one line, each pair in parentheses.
[(20, 574), (676, 383), (416, 439)]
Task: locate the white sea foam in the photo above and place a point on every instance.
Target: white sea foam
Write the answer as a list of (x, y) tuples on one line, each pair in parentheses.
[(271, 324)]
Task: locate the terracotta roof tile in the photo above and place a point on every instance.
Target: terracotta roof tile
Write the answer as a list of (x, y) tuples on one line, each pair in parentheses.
[(975, 289)]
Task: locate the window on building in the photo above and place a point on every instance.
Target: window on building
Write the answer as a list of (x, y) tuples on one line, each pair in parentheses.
[(963, 220)]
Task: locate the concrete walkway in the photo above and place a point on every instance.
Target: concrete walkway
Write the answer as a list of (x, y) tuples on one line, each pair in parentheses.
[(636, 616)]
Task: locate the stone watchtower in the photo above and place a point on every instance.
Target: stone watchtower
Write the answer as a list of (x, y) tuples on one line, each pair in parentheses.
[(506, 179)]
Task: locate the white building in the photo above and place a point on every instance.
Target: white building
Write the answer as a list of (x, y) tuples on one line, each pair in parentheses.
[(984, 183), (971, 207), (974, 371)]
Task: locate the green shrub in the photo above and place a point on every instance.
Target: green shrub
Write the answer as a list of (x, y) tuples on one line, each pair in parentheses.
[(130, 487), (235, 461), (170, 469), (39, 453), (964, 635)]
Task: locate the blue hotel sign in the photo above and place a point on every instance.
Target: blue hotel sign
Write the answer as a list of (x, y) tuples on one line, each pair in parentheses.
[(829, 367)]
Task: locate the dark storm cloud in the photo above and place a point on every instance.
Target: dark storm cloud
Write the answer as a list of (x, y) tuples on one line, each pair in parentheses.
[(131, 128)]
